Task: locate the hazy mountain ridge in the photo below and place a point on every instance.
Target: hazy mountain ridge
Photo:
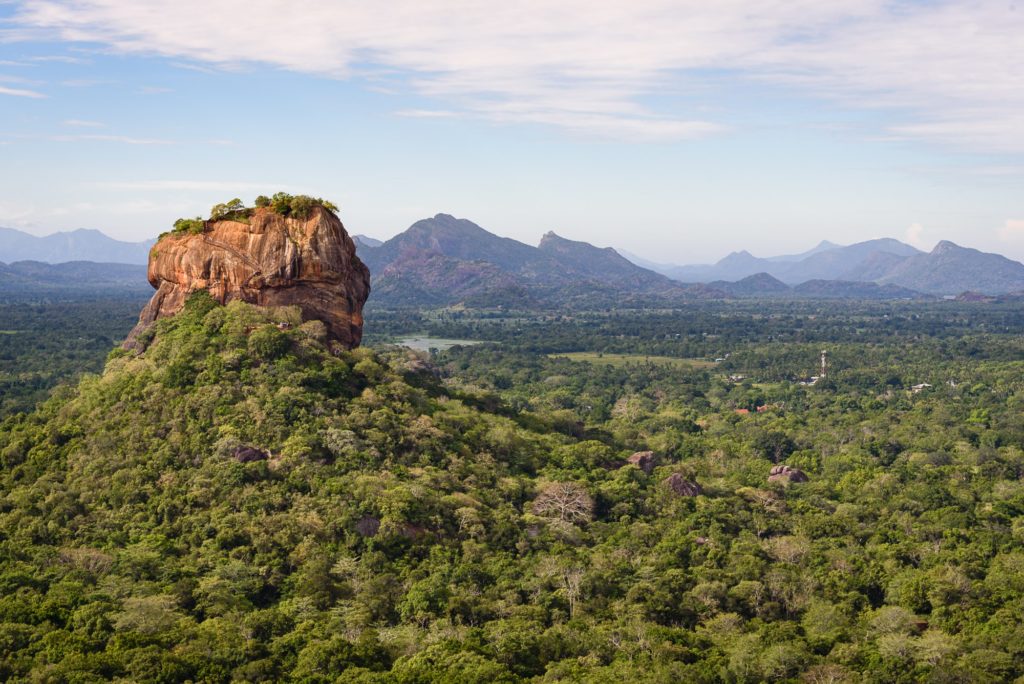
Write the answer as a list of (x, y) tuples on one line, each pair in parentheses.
[(77, 245), (444, 260), (765, 285), (949, 269)]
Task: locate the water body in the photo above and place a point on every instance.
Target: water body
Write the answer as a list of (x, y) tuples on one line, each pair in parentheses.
[(428, 343)]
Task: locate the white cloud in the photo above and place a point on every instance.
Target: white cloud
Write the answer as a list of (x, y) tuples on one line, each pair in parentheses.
[(80, 123), (951, 71), (21, 92), (914, 234), (1012, 231)]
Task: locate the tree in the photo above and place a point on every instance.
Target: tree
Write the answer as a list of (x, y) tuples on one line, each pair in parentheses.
[(566, 501)]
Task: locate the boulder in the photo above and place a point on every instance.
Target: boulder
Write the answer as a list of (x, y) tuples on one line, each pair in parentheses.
[(785, 473), (644, 460), (680, 486), (248, 454), (265, 259)]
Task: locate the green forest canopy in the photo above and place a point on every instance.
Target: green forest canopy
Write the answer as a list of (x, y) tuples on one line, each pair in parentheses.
[(242, 502)]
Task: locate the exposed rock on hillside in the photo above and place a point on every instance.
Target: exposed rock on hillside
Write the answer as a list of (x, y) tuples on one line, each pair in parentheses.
[(680, 486), (785, 473), (265, 259), (248, 454), (644, 460)]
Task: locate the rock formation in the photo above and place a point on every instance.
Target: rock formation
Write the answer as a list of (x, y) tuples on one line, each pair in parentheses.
[(268, 260), (644, 460), (785, 473), (248, 454), (680, 486)]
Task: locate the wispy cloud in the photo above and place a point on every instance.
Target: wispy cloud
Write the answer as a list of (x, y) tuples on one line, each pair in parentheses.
[(82, 82), (187, 185), (63, 59), (127, 140), (949, 71), (11, 215), (21, 92), (428, 114), (81, 123)]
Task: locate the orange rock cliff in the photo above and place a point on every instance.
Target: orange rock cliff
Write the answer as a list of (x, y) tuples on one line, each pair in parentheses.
[(270, 260)]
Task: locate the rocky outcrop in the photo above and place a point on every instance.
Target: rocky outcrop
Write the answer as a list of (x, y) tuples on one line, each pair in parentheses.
[(644, 460), (268, 260), (248, 454), (680, 486), (785, 473), (368, 526)]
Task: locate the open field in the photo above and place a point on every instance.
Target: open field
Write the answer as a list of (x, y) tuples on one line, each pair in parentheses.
[(619, 360)]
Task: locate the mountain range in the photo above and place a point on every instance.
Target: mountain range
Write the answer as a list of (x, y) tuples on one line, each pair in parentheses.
[(947, 270), (76, 245), (445, 260)]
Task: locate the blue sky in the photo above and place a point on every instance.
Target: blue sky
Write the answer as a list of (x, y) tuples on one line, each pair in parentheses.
[(677, 130)]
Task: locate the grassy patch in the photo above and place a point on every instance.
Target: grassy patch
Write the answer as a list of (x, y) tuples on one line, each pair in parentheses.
[(619, 360)]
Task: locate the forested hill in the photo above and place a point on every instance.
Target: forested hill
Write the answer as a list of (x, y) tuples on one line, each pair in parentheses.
[(241, 503)]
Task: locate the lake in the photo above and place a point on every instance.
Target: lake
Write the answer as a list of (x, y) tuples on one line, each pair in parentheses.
[(428, 343)]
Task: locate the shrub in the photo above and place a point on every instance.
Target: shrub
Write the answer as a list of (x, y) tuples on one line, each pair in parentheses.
[(227, 211), (194, 226)]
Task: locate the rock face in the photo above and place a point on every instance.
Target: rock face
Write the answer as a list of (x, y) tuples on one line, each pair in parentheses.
[(269, 261), (784, 473)]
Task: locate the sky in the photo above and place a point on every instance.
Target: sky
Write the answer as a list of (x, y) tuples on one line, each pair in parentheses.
[(679, 130)]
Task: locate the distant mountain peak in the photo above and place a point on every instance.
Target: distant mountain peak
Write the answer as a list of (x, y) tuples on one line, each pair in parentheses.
[(946, 246), (551, 238), (737, 258)]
